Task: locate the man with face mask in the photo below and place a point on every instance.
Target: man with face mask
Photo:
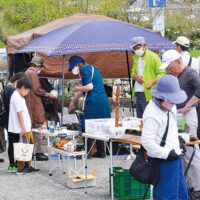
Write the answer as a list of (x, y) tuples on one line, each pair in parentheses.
[(96, 101), (145, 73), (189, 81)]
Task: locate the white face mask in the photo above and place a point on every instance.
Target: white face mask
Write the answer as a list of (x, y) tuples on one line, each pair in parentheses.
[(76, 70), (139, 52)]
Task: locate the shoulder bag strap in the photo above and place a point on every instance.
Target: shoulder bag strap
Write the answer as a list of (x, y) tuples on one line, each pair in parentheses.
[(190, 62), (85, 96), (92, 72), (162, 144)]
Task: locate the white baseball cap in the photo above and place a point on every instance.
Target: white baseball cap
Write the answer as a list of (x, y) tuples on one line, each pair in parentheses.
[(183, 41), (168, 57)]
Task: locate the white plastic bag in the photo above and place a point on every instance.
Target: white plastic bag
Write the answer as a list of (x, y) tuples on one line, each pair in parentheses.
[(23, 151)]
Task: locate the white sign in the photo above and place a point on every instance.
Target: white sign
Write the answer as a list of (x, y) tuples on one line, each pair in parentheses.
[(159, 22), (156, 3)]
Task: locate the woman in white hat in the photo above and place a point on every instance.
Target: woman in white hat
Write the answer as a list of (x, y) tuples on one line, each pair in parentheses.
[(160, 110)]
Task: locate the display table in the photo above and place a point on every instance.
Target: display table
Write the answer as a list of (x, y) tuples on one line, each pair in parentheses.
[(75, 169), (127, 139), (67, 169)]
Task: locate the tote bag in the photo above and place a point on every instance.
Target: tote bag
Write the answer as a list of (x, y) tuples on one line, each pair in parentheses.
[(23, 151)]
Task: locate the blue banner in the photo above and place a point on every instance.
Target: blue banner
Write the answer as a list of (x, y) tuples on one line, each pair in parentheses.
[(156, 3)]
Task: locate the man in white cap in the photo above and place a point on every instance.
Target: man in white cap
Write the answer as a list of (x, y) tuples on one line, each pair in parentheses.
[(182, 46), (189, 81), (145, 73)]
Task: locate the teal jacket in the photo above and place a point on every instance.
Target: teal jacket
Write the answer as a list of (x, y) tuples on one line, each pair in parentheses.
[(151, 71)]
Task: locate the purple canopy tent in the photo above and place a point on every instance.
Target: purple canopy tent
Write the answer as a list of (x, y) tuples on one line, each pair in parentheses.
[(94, 36)]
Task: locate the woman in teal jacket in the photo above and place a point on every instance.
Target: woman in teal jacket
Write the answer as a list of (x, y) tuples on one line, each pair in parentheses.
[(96, 103)]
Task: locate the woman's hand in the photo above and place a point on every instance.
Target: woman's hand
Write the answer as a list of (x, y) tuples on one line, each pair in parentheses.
[(71, 105), (51, 96)]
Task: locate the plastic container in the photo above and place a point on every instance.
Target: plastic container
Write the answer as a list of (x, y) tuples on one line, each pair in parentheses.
[(126, 187), (107, 125)]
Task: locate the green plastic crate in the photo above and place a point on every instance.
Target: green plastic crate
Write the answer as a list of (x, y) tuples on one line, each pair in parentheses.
[(126, 187)]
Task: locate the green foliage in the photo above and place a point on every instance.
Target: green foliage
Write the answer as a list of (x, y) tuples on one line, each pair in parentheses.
[(195, 53), (26, 14), (113, 8), (67, 96), (2, 45), (178, 23), (22, 15)]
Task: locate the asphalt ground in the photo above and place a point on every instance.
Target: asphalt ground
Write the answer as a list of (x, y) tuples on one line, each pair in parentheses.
[(41, 186)]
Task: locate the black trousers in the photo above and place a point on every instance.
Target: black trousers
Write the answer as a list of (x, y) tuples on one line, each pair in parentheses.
[(100, 145), (12, 138)]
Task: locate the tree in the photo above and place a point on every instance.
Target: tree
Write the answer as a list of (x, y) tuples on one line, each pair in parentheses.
[(26, 14), (20, 16)]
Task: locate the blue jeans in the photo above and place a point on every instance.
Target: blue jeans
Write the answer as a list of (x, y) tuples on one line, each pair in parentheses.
[(172, 185), (141, 103)]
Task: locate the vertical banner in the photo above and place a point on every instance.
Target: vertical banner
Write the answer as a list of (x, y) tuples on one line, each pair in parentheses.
[(158, 21), (157, 8)]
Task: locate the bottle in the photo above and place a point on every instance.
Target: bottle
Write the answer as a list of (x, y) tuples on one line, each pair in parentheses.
[(51, 127), (58, 127)]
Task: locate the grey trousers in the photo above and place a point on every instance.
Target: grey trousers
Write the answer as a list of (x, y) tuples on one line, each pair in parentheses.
[(193, 175)]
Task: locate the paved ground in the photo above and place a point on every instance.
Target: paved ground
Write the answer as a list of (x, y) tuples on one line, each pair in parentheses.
[(40, 186)]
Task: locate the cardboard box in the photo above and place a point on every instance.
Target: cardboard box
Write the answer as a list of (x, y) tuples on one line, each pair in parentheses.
[(78, 181)]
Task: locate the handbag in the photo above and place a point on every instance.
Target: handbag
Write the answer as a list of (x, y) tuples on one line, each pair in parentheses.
[(47, 103), (146, 169), (23, 151)]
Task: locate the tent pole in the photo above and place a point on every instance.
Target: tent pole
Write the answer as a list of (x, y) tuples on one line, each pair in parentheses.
[(63, 91), (129, 79)]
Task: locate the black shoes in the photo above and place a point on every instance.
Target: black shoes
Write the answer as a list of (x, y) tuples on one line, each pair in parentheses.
[(27, 170), (89, 156), (196, 195), (1, 160), (99, 155), (41, 157), (30, 169)]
